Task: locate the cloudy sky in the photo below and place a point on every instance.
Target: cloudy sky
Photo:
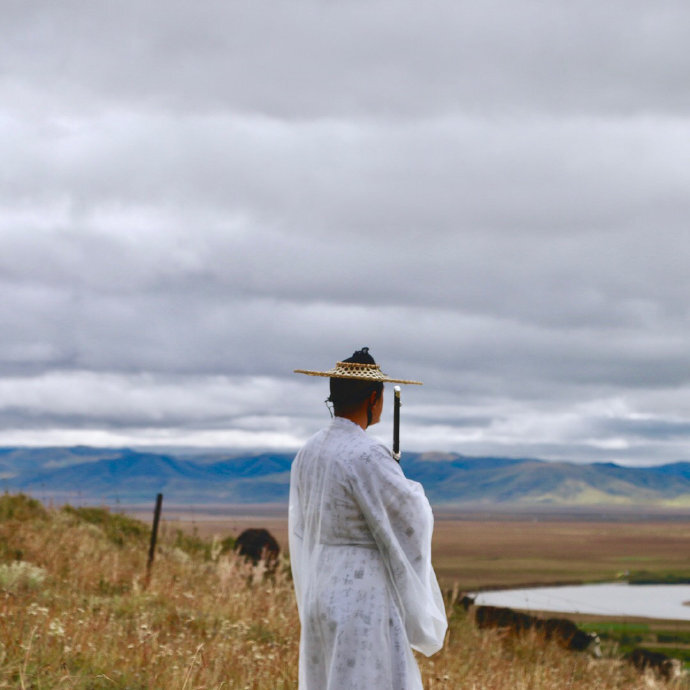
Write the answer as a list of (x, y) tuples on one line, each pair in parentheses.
[(197, 198)]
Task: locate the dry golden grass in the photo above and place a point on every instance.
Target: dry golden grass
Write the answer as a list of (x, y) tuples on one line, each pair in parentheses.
[(74, 614), (84, 620)]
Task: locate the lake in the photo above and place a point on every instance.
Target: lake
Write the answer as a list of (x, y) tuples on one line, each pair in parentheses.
[(668, 602)]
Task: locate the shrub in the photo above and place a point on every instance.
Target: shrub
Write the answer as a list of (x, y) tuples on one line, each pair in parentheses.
[(228, 544), (20, 575), (120, 529), (192, 545), (20, 507)]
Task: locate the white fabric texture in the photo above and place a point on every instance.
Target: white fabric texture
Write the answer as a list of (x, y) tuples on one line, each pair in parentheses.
[(360, 549)]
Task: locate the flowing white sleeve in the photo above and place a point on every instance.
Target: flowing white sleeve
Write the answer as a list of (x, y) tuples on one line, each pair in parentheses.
[(296, 539), (400, 518)]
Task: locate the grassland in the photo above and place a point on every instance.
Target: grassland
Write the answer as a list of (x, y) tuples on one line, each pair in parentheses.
[(473, 551), (75, 613), (480, 554)]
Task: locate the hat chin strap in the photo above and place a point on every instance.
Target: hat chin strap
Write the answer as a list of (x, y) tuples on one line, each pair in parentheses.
[(329, 405)]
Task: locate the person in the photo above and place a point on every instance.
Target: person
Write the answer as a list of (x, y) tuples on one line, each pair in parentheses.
[(360, 548)]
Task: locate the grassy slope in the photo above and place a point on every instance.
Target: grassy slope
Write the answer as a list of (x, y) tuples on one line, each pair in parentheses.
[(74, 614)]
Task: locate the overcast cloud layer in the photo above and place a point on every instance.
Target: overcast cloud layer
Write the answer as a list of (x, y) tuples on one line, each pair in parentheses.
[(197, 198)]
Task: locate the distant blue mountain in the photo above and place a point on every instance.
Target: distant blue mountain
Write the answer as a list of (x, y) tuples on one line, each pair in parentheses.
[(131, 476)]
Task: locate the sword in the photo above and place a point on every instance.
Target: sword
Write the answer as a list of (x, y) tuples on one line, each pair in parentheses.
[(396, 423)]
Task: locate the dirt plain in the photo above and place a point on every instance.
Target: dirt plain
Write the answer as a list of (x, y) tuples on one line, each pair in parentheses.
[(484, 549)]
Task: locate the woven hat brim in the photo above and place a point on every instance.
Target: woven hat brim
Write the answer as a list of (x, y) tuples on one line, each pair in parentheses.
[(384, 378)]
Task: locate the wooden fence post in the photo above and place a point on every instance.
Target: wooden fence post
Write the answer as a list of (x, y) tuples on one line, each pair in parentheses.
[(154, 537)]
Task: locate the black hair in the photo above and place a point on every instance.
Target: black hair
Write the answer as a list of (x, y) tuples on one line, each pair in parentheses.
[(348, 394)]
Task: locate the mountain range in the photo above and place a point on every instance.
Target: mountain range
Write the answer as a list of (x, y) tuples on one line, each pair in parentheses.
[(131, 476)]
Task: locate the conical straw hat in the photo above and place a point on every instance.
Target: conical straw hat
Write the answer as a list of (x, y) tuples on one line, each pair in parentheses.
[(355, 370)]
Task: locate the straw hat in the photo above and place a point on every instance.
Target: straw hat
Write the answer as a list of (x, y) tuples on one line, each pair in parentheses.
[(355, 370)]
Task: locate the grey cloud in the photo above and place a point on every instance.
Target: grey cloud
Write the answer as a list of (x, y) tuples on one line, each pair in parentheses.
[(188, 303), (540, 177), (647, 428), (353, 58), (32, 420), (494, 198)]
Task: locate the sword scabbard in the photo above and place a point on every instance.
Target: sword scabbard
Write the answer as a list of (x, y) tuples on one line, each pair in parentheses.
[(396, 423)]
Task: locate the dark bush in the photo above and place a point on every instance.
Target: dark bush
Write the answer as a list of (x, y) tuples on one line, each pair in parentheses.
[(20, 507)]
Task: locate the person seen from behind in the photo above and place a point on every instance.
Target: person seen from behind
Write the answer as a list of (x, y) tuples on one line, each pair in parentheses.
[(360, 548)]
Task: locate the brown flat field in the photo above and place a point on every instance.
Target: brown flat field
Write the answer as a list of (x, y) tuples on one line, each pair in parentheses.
[(474, 550), (483, 554)]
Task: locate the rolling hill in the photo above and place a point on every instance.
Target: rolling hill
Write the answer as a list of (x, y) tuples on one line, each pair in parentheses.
[(131, 476)]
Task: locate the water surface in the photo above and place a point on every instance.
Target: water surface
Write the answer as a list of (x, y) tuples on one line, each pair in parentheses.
[(668, 602)]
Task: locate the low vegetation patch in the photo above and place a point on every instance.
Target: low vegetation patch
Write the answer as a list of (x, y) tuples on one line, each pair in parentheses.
[(621, 637), (193, 545), (643, 577), (75, 613), (20, 507), (119, 529)]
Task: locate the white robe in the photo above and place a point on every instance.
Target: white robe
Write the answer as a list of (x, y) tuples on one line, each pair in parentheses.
[(360, 550)]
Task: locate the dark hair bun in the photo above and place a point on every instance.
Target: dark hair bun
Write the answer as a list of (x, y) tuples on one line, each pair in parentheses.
[(347, 394), (361, 357)]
